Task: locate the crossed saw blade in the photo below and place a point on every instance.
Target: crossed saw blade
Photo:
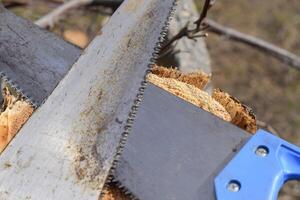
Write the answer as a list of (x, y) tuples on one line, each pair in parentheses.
[(179, 151), (72, 147), (32, 60), (175, 150)]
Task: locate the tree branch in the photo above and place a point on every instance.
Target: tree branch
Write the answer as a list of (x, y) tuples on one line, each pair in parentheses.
[(265, 47), (207, 5), (60, 12), (108, 3), (202, 24), (13, 4), (57, 14), (191, 33)]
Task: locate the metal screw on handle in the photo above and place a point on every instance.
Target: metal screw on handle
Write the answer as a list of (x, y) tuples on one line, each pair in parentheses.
[(262, 151), (233, 186)]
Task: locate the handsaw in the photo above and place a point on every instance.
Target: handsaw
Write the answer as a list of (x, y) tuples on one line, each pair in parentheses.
[(32, 60), (66, 149), (179, 151), (207, 189)]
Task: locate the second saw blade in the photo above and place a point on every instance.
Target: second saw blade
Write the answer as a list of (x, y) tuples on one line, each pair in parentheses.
[(175, 149)]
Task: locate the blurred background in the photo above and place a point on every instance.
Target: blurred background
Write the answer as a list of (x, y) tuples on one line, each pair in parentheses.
[(271, 88)]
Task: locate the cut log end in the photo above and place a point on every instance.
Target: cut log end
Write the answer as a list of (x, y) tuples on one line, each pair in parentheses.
[(191, 94), (198, 79), (190, 87)]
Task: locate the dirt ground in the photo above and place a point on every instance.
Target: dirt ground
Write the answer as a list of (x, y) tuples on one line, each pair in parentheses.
[(271, 88)]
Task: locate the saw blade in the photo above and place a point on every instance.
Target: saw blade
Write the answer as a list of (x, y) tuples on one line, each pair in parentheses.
[(175, 149), (139, 97), (75, 134), (32, 60)]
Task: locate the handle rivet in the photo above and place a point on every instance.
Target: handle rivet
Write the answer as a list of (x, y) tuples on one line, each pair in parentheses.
[(262, 151), (233, 186)]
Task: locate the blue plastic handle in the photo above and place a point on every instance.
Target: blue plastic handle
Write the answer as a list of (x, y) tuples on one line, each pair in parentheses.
[(259, 170)]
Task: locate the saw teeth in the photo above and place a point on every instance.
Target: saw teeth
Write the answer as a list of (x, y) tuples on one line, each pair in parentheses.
[(138, 96), (137, 101), (124, 190), (132, 114), (15, 86)]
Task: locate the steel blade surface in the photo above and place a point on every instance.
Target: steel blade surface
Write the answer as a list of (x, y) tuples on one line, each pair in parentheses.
[(66, 149), (175, 149), (32, 60)]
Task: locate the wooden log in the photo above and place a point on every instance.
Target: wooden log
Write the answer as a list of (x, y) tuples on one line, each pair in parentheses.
[(192, 55)]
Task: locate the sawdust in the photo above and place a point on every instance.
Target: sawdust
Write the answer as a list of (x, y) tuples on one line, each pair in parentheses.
[(241, 115), (191, 94), (15, 113)]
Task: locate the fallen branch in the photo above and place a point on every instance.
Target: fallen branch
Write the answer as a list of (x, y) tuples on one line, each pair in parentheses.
[(191, 33), (13, 4), (57, 14), (49, 20), (207, 5), (202, 24), (107, 3), (266, 47)]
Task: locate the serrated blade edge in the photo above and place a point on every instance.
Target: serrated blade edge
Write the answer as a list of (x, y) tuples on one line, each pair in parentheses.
[(75, 133), (138, 100), (32, 60)]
